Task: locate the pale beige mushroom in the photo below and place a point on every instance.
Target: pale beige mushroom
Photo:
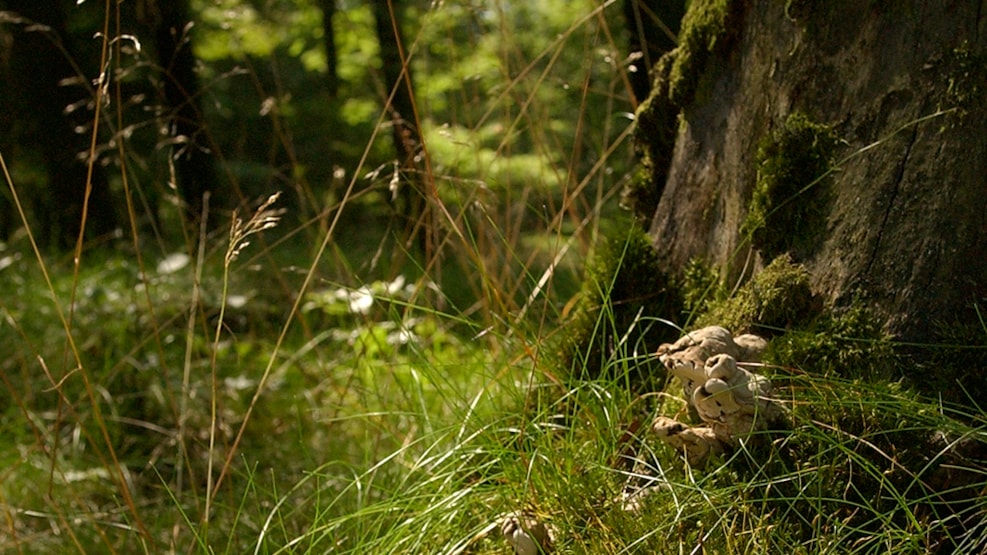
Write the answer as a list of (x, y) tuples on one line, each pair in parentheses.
[(733, 401), (526, 534), (714, 399), (750, 347), (697, 443), (686, 358), (701, 344), (751, 390)]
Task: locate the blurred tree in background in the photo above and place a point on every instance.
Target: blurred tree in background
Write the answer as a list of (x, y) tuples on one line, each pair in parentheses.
[(182, 123), (479, 101), (46, 101)]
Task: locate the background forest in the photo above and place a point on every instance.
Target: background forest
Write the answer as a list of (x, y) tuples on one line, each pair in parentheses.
[(207, 366), (354, 276)]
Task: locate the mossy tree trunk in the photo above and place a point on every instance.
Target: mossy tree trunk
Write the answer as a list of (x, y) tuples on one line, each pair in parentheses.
[(848, 135), (651, 29)]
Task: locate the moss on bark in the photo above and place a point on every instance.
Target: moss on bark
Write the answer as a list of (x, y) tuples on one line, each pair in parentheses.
[(790, 199), (709, 29), (778, 298)]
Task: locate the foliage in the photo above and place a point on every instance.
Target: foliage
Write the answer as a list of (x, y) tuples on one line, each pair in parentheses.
[(790, 196), (523, 64), (176, 399), (952, 362), (866, 463), (342, 398), (259, 31), (846, 477), (324, 389)]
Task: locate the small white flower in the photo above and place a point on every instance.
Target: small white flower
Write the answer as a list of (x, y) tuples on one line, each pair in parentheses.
[(173, 262), (361, 300)]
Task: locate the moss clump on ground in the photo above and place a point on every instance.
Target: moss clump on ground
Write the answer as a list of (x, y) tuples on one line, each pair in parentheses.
[(779, 302), (848, 344), (625, 290), (777, 298), (789, 201)]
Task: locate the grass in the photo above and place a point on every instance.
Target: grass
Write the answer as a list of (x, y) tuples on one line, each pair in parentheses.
[(345, 394), (393, 434)]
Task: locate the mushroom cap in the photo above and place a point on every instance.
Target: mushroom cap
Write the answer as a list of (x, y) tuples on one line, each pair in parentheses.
[(665, 427), (697, 442), (702, 343), (715, 400), (684, 366), (686, 358), (751, 347), (722, 366), (526, 534), (715, 386)]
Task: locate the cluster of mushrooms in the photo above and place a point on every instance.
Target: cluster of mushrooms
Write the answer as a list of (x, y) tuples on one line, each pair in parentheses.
[(718, 382), (731, 400)]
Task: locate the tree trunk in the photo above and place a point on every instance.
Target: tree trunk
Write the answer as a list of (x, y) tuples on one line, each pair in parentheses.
[(41, 70), (397, 78), (651, 28), (328, 8), (194, 167), (901, 221)]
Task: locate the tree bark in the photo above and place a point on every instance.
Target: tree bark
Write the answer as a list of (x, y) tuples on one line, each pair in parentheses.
[(903, 85)]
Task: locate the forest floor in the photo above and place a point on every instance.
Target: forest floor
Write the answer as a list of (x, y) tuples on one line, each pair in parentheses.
[(215, 404)]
